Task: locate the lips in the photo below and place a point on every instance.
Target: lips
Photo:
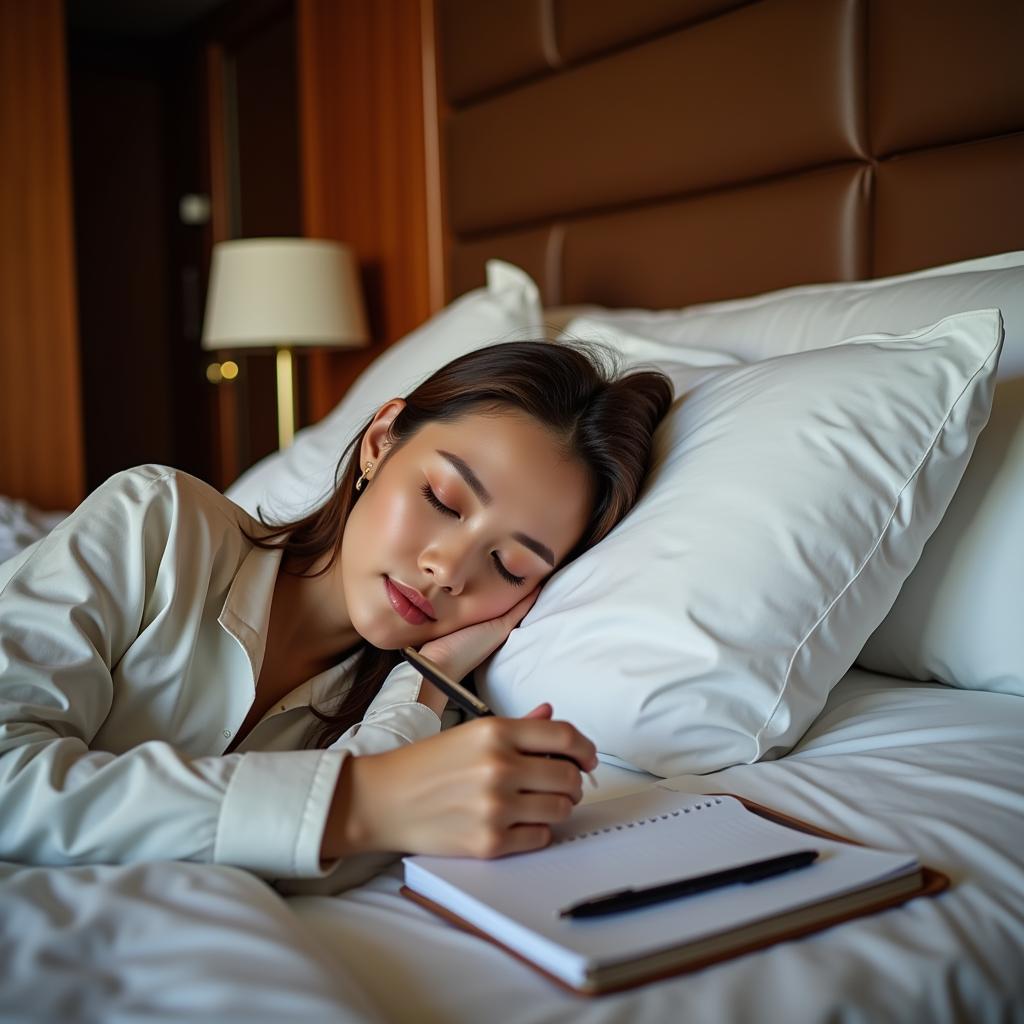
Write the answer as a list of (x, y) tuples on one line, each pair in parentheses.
[(408, 602)]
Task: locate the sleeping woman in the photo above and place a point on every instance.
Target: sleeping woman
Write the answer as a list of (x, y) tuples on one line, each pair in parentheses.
[(179, 681)]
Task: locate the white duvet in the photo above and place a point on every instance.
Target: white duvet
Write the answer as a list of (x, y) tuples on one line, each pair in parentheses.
[(921, 767)]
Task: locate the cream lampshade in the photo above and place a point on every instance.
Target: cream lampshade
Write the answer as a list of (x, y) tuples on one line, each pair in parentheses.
[(284, 293)]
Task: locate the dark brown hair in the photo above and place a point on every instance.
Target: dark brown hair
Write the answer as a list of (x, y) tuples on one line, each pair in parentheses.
[(603, 420)]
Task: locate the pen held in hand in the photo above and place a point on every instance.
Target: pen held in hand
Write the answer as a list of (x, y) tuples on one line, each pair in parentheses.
[(465, 699)]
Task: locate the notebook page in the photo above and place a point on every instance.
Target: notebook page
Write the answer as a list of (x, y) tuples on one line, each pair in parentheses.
[(653, 836)]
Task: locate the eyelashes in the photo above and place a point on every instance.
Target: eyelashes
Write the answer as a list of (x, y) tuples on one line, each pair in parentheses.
[(516, 581), (432, 499)]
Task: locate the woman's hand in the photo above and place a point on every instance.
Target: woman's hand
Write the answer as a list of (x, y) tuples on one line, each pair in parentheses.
[(460, 652), (478, 790)]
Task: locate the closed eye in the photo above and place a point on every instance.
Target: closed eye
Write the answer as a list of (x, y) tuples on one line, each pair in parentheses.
[(432, 499), (516, 581)]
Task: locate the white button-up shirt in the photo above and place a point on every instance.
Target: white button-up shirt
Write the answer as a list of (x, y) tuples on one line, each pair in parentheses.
[(131, 639)]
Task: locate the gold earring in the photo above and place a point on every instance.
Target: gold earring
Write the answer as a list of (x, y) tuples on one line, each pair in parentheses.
[(360, 483)]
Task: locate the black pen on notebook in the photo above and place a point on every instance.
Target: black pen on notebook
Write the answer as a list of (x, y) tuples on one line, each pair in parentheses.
[(632, 899), (465, 699)]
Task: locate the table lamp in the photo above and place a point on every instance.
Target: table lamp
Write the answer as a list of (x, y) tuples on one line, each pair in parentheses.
[(284, 293)]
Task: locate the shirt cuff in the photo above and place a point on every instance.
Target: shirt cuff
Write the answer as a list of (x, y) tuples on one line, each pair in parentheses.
[(395, 716), (274, 812), (267, 828)]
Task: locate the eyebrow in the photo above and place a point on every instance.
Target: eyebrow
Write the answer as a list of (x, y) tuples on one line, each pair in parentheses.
[(536, 547), (473, 482)]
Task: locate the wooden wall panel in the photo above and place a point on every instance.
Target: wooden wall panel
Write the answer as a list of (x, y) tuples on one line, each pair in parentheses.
[(361, 104), (41, 447), (224, 402)]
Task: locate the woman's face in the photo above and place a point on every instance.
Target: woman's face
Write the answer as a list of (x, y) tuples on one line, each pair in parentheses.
[(458, 524)]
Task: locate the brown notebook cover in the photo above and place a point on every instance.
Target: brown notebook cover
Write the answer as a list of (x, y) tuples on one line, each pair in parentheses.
[(932, 883)]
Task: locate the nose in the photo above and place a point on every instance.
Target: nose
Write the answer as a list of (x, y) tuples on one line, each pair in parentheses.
[(445, 564)]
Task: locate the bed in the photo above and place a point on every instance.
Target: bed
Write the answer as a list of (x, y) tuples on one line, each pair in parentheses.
[(901, 765), (751, 180)]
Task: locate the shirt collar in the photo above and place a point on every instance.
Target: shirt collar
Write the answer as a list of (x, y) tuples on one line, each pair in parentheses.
[(313, 692), (246, 616), (246, 611)]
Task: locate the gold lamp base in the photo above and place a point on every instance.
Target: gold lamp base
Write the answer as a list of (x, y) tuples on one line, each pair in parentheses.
[(285, 398)]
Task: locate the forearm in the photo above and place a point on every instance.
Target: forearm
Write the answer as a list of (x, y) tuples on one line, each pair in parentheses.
[(64, 804), (348, 831), (432, 697)]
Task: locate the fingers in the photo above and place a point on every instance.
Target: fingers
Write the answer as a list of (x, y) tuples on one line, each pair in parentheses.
[(518, 611), (523, 838), (462, 651), (525, 825), (539, 809), (540, 711), (549, 776), (480, 790), (535, 734)]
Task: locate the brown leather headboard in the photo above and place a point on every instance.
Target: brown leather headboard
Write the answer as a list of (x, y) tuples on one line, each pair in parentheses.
[(662, 152)]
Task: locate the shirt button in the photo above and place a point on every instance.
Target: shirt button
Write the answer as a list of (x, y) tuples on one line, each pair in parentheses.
[(227, 734)]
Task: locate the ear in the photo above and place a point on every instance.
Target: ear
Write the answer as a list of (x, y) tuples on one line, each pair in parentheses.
[(375, 443)]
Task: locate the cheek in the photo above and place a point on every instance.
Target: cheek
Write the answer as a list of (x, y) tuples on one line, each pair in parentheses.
[(384, 523), (395, 516)]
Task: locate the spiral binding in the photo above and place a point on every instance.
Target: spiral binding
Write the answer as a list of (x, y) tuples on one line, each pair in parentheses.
[(640, 822)]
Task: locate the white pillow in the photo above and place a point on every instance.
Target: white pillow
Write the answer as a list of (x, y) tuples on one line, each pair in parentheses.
[(958, 616), (790, 498), (957, 619), (288, 483), (819, 315)]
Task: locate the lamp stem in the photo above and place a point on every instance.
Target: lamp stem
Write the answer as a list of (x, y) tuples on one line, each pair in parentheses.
[(285, 398)]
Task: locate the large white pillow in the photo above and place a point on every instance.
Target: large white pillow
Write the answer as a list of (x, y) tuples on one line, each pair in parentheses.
[(958, 616), (789, 500), (957, 619), (290, 482), (819, 315)]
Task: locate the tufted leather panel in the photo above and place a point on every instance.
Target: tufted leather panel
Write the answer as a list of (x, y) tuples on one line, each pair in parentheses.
[(487, 45), (938, 75), (748, 239), (662, 152), (584, 28), (533, 250), (580, 140), (948, 203)]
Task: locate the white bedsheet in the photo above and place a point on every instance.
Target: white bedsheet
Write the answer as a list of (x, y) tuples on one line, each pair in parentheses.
[(22, 524), (899, 765), (162, 942), (906, 766)]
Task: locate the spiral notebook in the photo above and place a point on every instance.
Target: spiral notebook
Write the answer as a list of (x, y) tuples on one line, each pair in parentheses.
[(653, 836)]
